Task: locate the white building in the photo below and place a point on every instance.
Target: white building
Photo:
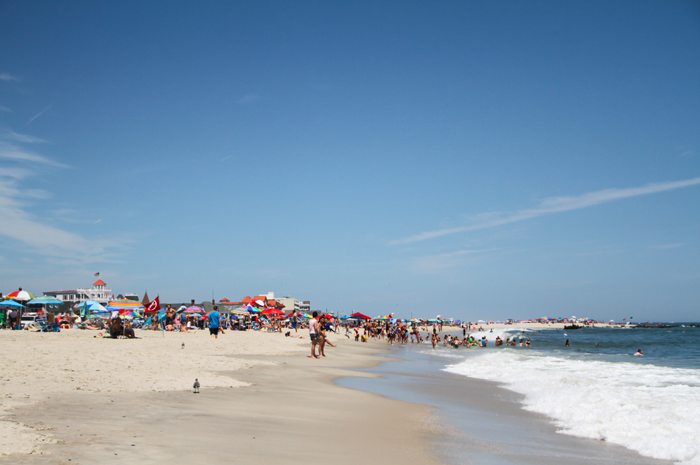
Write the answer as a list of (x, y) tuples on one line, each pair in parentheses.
[(292, 304), (98, 293)]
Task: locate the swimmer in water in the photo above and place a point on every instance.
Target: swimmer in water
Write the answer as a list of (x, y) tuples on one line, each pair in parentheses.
[(567, 343), (639, 352)]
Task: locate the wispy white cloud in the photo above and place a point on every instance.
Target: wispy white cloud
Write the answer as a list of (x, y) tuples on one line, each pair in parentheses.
[(226, 158), (20, 225), (248, 98), (37, 115), (5, 109), (8, 134), (8, 77), (553, 205), (445, 261), (9, 151)]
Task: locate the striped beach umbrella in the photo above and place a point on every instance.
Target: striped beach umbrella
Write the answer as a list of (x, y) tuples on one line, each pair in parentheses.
[(45, 300), (128, 305)]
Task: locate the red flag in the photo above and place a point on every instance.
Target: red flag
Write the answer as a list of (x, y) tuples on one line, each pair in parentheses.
[(153, 306)]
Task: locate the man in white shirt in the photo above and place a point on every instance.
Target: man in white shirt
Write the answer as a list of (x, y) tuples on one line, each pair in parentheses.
[(313, 334)]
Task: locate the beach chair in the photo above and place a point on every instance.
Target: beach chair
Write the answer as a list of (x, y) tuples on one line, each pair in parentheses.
[(46, 327)]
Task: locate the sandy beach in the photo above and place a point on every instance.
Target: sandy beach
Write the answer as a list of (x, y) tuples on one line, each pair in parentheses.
[(70, 397)]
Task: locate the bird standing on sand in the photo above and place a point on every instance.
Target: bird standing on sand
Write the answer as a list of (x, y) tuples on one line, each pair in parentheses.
[(183, 345), (196, 386)]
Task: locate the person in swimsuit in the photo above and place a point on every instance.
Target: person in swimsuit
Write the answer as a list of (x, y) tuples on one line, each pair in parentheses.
[(313, 334)]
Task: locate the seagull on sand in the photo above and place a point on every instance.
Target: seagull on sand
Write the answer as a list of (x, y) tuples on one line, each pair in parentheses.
[(196, 386), (183, 345)]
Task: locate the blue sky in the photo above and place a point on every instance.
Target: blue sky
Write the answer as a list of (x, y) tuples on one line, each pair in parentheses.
[(470, 159)]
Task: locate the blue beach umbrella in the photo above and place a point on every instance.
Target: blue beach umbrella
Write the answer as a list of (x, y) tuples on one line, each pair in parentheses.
[(45, 300), (11, 303)]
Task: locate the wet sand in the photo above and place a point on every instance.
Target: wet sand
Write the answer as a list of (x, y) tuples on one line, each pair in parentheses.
[(479, 422)]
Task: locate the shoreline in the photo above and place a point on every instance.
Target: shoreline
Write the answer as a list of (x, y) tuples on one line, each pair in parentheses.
[(263, 399), (484, 421)]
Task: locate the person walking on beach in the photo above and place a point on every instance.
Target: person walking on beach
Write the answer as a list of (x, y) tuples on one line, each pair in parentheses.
[(313, 334), (214, 322), (295, 321)]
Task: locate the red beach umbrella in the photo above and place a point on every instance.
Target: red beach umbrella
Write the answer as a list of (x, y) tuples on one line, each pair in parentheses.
[(360, 315), (273, 311)]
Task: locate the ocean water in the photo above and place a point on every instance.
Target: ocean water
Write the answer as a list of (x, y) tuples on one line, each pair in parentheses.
[(649, 404), (551, 404)]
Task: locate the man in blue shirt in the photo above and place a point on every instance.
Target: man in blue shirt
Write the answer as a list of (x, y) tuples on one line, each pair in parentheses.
[(214, 323)]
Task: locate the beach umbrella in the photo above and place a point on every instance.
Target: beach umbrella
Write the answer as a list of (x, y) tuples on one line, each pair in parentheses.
[(22, 296), (11, 303), (193, 309), (251, 309), (90, 306), (360, 315), (117, 305), (45, 300), (129, 315), (99, 315), (273, 311)]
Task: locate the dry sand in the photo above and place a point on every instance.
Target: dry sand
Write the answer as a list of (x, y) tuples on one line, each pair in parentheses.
[(69, 397)]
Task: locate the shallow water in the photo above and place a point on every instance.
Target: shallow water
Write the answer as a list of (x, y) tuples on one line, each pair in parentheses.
[(598, 396)]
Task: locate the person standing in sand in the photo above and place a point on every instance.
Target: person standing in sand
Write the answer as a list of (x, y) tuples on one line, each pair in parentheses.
[(313, 334), (295, 321), (214, 322)]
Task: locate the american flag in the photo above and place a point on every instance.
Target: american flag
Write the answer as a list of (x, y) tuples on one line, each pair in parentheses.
[(97, 274)]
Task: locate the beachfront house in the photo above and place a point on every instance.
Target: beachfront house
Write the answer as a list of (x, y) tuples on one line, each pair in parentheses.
[(99, 293)]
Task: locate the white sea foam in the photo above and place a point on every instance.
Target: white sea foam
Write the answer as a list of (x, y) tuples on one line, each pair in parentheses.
[(651, 409)]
